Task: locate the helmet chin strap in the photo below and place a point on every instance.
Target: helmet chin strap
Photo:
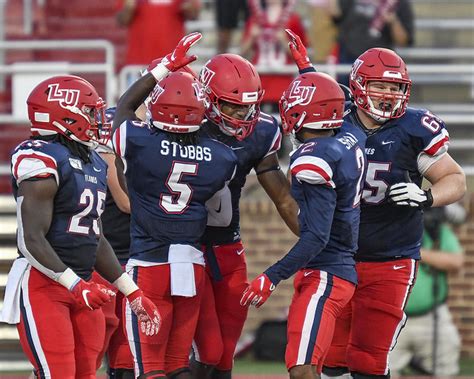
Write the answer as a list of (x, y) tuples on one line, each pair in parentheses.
[(224, 128), (91, 144)]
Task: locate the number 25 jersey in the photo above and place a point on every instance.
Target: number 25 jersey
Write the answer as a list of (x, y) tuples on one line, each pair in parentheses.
[(78, 204)]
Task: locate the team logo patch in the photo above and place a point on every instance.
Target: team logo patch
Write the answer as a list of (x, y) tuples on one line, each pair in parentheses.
[(157, 91), (301, 95), (205, 76), (75, 163), (65, 97)]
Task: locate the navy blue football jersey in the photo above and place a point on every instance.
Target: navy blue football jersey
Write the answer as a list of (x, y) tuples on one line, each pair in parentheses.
[(115, 223), (116, 228), (327, 177), (264, 140), (78, 204), (169, 185), (400, 150)]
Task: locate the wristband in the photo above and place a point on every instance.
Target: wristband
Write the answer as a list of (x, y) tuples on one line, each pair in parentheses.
[(159, 72), (125, 284), (429, 199), (68, 279)]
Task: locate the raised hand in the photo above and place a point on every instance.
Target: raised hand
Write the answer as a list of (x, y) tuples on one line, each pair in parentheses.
[(258, 291), (298, 50), (147, 313), (179, 57), (91, 295)]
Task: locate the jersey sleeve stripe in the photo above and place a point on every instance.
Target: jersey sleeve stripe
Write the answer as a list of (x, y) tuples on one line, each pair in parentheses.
[(276, 143), (119, 139), (312, 170), (438, 144), (266, 117), (28, 164)]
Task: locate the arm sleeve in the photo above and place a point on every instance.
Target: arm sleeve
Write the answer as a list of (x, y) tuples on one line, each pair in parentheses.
[(435, 141), (275, 136), (29, 163), (316, 217), (128, 130), (312, 170)]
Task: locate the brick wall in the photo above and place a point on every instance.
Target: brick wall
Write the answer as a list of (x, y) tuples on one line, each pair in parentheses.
[(266, 238)]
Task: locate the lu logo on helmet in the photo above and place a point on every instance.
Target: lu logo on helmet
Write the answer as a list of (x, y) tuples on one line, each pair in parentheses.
[(65, 97), (205, 76), (302, 95)]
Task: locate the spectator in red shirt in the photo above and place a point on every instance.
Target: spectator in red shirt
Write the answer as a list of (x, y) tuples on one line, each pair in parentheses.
[(265, 43), (154, 26)]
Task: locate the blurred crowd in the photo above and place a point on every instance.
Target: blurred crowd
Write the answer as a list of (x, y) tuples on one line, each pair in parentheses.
[(336, 31)]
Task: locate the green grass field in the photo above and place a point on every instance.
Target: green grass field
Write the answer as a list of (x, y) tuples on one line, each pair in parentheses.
[(250, 366)]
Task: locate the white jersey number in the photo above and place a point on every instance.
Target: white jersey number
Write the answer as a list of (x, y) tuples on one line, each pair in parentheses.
[(180, 193), (88, 199), (359, 155), (378, 187)]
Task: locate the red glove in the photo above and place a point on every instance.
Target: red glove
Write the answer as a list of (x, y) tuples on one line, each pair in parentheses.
[(179, 58), (146, 312), (91, 294), (298, 50), (258, 291)]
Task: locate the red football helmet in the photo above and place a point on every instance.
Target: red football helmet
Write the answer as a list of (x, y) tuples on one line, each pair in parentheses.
[(233, 79), (313, 100), (68, 105), (177, 104), (381, 65)]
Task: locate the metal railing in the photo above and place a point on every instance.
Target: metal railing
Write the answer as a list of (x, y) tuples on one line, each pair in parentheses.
[(431, 73), (107, 67)]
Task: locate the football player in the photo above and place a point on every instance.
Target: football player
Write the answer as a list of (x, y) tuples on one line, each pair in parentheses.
[(404, 145), (59, 184), (234, 118), (327, 171), (116, 228), (172, 171)]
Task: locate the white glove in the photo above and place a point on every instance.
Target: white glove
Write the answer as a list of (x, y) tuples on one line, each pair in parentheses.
[(409, 194)]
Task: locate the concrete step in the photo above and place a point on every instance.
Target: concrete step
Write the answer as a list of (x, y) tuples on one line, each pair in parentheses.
[(7, 226), (450, 93), (443, 9), (463, 38), (7, 255), (7, 204)]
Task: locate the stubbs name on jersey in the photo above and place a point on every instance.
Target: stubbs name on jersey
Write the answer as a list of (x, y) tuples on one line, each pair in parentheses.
[(198, 153)]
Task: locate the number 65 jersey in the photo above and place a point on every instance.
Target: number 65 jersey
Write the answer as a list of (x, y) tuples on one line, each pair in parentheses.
[(401, 150), (78, 203)]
